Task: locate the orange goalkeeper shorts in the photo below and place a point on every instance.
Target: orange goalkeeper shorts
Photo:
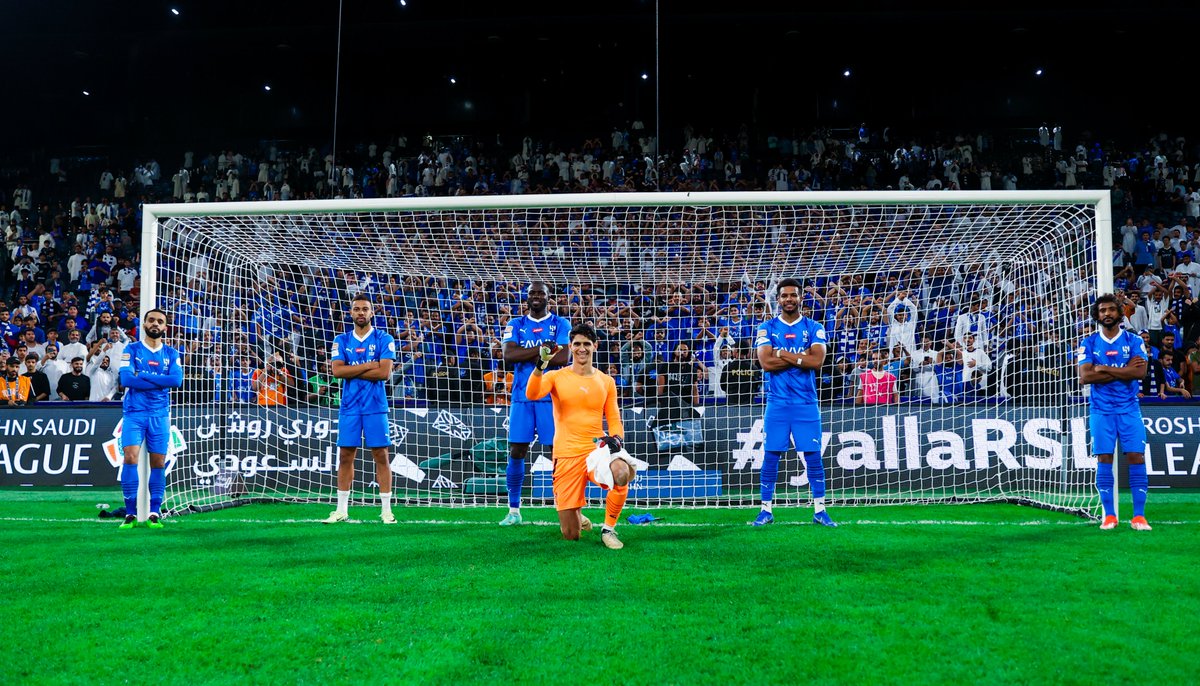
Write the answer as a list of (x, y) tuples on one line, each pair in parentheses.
[(571, 478)]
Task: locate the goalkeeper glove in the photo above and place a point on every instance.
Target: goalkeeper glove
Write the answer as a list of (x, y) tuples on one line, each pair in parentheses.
[(614, 444), (546, 353)]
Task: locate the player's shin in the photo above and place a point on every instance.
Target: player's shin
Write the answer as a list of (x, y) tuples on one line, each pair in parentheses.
[(1139, 484), (816, 479), (514, 476), (614, 502), (769, 474), (1104, 484), (129, 487), (157, 486)]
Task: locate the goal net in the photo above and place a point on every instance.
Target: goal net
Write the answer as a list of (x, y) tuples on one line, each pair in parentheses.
[(949, 376)]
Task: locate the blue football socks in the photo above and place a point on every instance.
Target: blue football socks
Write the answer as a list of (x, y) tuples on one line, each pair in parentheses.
[(1139, 484), (816, 474), (514, 476), (1104, 484), (770, 472), (158, 486), (129, 487)]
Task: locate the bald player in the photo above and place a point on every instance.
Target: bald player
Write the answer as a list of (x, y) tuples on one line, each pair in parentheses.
[(523, 338)]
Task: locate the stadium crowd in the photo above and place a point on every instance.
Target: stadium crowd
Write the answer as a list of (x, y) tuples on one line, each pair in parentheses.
[(942, 333)]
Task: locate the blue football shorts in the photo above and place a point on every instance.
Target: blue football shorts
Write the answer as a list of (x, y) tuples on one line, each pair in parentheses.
[(1110, 429), (148, 427), (786, 427), (363, 430), (529, 419)]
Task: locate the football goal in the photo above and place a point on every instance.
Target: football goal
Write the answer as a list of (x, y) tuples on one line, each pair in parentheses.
[(951, 318)]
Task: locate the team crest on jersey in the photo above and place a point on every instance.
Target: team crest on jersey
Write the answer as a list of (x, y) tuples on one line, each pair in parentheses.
[(1125, 349)]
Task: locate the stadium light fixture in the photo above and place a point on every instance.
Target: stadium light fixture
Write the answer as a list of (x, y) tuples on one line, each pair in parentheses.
[(846, 73), (453, 80), (86, 93), (1037, 72), (174, 11), (267, 87), (645, 76), (404, 3)]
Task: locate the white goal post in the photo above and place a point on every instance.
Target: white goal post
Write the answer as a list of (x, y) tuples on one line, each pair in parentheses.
[(990, 412)]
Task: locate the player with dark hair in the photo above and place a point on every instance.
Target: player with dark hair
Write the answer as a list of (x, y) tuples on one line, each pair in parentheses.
[(362, 358), (149, 369), (1113, 362), (523, 339), (583, 398), (791, 350)]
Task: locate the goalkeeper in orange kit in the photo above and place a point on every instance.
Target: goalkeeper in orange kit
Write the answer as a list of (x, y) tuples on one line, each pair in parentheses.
[(583, 398)]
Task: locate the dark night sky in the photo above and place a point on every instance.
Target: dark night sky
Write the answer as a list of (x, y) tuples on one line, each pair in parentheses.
[(574, 67)]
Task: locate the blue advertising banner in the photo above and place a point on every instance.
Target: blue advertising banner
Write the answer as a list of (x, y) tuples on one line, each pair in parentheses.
[(464, 448)]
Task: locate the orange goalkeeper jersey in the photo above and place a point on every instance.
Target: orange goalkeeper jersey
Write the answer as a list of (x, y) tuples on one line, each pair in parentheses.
[(580, 403)]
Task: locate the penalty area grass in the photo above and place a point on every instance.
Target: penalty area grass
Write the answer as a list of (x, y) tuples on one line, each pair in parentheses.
[(904, 594)]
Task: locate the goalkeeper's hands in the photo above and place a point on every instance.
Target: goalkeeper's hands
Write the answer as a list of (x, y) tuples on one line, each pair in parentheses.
[(547, 353), (614, 443)]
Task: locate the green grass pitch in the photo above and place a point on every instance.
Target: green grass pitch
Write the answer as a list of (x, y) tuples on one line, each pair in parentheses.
[(896, 595)]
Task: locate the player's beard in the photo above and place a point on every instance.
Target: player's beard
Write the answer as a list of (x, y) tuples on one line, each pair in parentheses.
[(154, 333)]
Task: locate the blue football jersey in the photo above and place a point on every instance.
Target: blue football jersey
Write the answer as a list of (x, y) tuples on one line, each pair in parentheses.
[(528, 332), (139, 359), (793, 386), (241, 386), (360, 396), (1113, 397)]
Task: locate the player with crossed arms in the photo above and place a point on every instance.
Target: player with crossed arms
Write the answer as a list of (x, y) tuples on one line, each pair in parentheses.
[(149, 369), (791, 349), (1113, 361), (583, 398), (363, 357)]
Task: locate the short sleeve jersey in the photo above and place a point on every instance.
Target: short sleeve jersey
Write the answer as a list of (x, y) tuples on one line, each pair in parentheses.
[(1112, 397), (361, 396), (794, 386), (528, 332)]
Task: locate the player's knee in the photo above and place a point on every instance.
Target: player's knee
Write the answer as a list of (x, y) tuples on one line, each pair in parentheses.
[(623, 472), (519, 451), (1135, 458)]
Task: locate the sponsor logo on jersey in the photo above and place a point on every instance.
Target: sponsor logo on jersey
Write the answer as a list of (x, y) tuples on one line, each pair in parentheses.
[(360, 350), (789, 336), (538, 330), (153, 363), (1111, 353)]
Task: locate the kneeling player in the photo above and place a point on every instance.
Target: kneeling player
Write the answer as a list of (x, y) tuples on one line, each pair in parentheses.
[(583, 398)]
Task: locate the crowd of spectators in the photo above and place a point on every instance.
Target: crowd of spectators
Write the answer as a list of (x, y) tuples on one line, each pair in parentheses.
[(942, 333)]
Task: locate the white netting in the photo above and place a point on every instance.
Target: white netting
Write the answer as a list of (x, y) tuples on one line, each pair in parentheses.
[(661, 284)]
